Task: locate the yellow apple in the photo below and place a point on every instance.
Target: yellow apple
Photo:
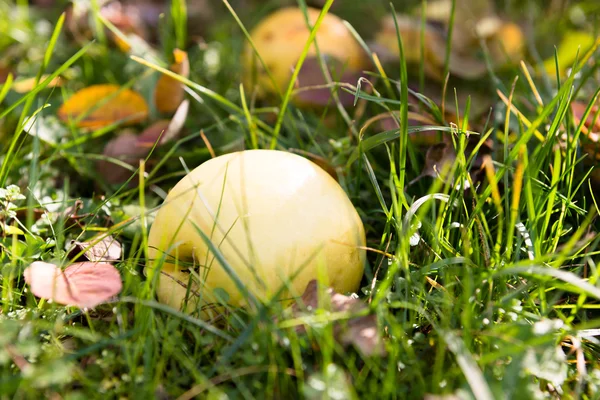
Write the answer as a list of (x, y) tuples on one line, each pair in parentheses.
[(277, 218), (280, 39)]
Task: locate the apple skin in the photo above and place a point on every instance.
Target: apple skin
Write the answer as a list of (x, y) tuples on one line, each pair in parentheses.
[(280, 217), (280, 39)]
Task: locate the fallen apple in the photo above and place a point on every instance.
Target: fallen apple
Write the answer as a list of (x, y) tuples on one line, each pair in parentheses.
[(280, 39), (277, 219)]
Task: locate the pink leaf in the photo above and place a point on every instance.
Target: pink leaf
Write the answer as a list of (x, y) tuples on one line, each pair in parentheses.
[(84, 284)]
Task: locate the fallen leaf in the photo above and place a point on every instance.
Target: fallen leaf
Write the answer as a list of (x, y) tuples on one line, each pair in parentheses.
[(360, 331), (27, 85), (84, 285), (100, 105), (126, 149), (171, 128), (169, 92), (99, 249)]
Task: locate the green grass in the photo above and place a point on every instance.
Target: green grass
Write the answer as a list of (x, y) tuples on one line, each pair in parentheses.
[(499, 299)]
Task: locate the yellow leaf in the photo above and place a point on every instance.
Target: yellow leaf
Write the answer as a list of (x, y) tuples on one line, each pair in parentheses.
[(98, 106), (27, 85), (169, 92), (573, 42)]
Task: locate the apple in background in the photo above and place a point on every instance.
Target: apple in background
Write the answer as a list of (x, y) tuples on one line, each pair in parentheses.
[(277, 218), (280, 39)]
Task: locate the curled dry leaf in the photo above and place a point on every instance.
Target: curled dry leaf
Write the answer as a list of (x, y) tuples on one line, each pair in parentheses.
[(97, 249), (98, 106), (84, 285), (360, 331), (169, 92)]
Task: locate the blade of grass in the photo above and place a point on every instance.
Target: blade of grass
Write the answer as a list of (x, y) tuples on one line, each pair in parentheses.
[(403, 146), (294, 78)]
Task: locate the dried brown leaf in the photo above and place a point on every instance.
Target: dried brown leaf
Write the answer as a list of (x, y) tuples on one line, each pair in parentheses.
[(97, 249), (361, 331), (84, 285)]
